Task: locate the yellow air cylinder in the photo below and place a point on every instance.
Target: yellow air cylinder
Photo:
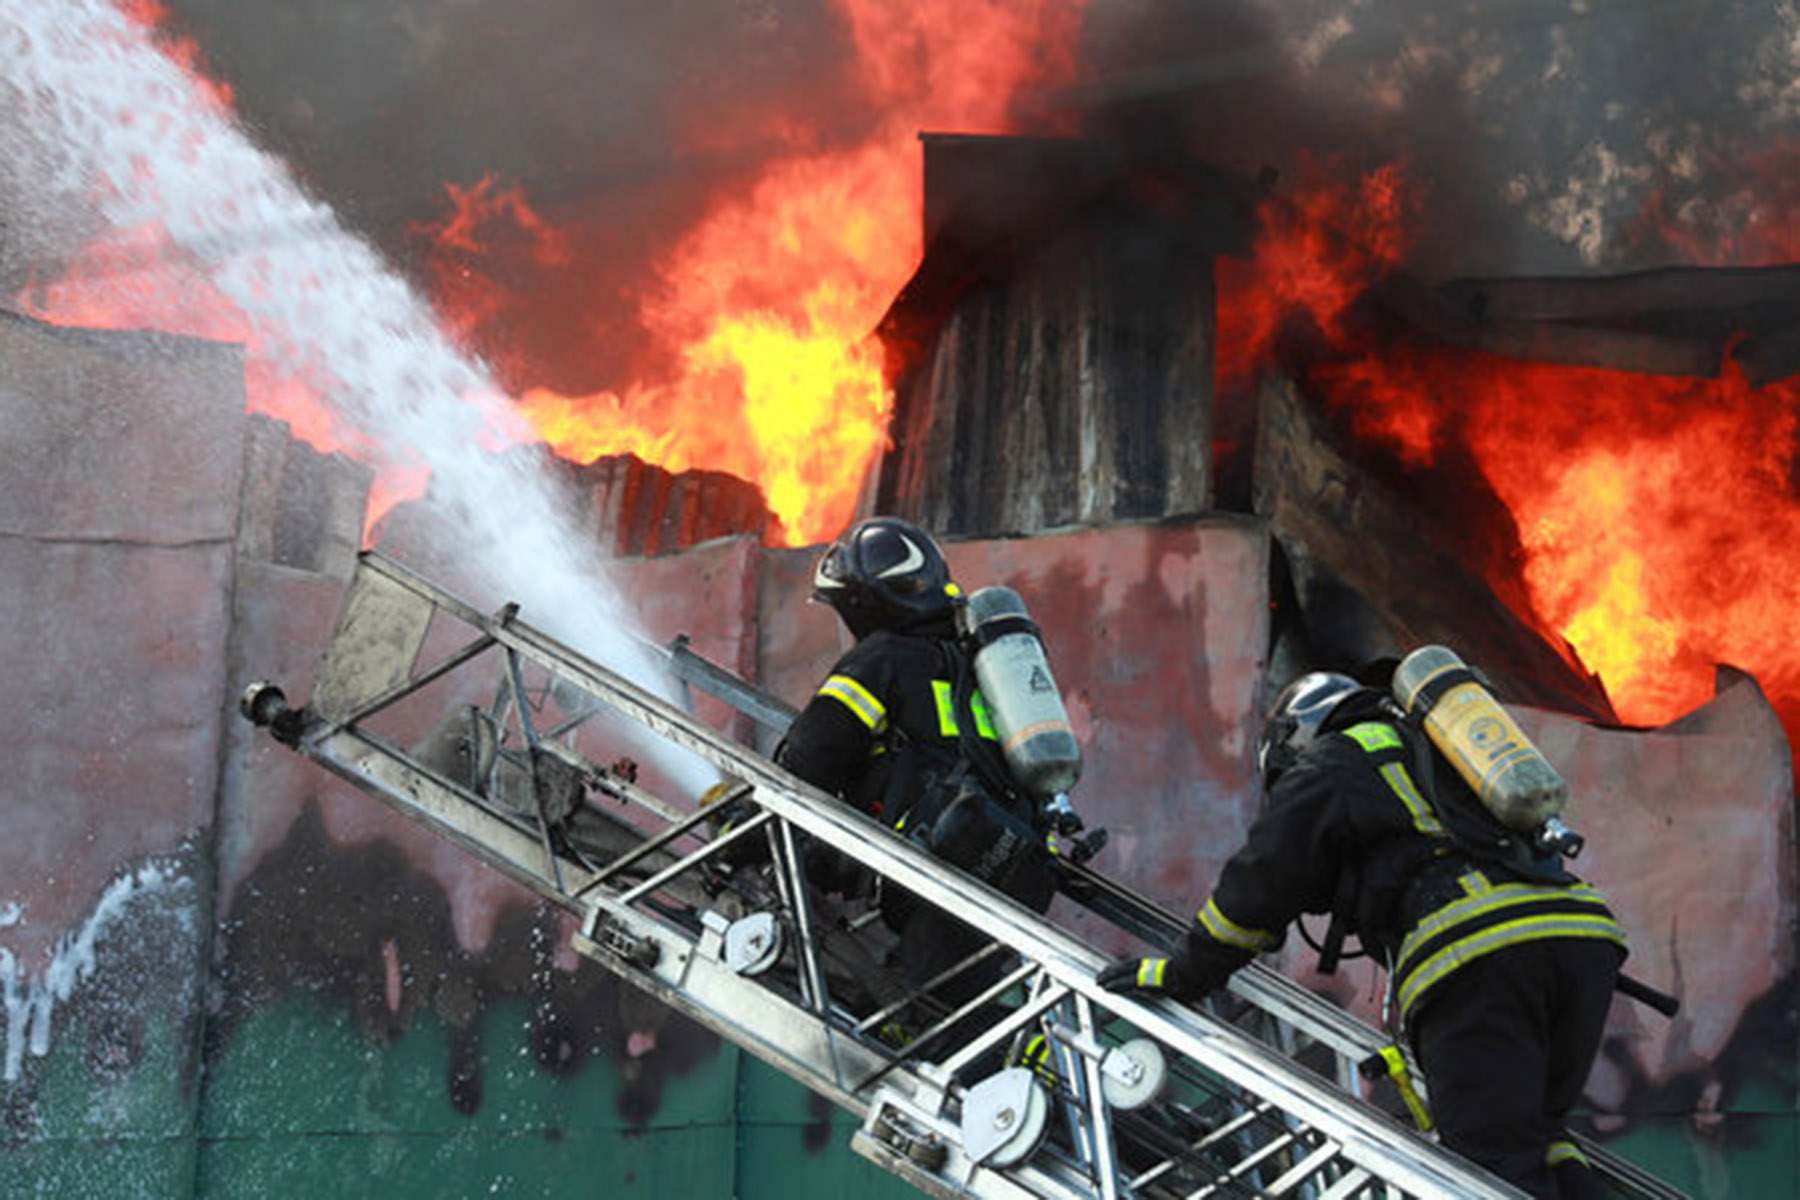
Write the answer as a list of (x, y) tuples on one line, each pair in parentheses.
[(1462, 718)]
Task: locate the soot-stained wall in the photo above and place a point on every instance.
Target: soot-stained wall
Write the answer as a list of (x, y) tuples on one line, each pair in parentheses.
[(227, 973)]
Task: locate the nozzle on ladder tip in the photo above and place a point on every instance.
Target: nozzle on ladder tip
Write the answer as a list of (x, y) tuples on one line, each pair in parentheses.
[(262, 702), (265, 705)]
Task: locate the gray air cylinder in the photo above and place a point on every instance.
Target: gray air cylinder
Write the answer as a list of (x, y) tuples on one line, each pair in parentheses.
[(1023, 700)]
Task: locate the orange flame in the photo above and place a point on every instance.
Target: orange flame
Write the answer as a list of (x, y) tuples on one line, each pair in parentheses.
[(1315, 254), (770, 301), (483, 220), (765, 308), (1653, 511), (1651, 539)]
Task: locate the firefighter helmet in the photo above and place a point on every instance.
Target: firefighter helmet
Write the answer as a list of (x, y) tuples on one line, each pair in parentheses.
[(1296, 717), (884, 573)]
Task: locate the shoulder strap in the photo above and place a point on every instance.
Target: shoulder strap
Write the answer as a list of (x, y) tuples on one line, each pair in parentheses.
[(1476, 831), (984, 757)]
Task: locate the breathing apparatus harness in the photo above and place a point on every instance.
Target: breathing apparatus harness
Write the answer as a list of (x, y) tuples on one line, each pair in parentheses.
[(1529, 848)]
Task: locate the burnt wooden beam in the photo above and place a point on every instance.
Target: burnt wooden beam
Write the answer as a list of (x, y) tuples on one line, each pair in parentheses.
[(1648, 352), (1375, 574), (1610, 298)]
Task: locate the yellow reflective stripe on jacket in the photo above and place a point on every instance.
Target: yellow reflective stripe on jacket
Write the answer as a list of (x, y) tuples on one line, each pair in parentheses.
[(984, 716), (945, 697), (1151, 971), (1494, 919), (858, 699), (946, 708), (1374, 735), (1424, 817), (1224, 929), (1377, 736), (1564, 1151)]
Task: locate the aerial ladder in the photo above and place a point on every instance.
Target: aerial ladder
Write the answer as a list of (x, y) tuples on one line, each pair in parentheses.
[(1032, 1081)]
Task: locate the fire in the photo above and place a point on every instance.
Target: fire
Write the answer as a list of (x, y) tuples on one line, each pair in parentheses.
[(1653, 512), (769, 304), (1306, 264), (761, 316), (1652, 541), (766, 307)]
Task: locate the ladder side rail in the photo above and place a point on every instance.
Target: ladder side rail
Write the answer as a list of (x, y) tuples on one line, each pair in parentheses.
[(1224, 1050), (388, 773)]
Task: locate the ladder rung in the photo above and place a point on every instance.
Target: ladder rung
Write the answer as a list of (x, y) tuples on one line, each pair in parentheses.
[(1304, 1170)]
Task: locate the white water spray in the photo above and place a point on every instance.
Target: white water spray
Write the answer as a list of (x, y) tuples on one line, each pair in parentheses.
[(28, 1001), (98, 127)]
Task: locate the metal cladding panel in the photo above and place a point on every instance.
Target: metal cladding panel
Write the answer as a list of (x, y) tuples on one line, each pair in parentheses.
[(118, 498), (118, 494), (640, 509), (1076, 389), (1054, 351)]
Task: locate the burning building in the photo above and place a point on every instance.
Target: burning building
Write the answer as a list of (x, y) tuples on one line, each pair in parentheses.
[(1099, 371)]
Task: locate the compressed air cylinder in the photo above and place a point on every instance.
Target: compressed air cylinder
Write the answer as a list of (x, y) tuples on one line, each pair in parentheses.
[(1023, 699), (1514, 780)]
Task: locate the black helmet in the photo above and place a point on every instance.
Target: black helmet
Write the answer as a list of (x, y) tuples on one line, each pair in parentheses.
[(884, 573), (1296, 717)]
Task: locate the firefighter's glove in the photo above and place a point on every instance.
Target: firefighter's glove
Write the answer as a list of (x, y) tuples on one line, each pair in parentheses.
[(1160, 976)]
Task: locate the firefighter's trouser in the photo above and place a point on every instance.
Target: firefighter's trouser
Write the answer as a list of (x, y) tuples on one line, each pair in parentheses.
[(1506, 1045)]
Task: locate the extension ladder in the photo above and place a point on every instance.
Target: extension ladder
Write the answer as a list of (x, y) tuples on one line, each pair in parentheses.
[(1011, 1075)]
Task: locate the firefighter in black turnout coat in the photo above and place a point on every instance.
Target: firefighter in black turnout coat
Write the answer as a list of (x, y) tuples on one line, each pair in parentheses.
[(900, 730), (1501, 965)]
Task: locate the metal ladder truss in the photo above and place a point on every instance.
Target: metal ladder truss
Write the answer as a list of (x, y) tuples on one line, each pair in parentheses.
[(1010, 1074)]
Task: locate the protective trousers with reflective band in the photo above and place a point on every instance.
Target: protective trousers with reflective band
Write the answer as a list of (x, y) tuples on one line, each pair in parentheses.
[(1506, 1046), (1490, 917)]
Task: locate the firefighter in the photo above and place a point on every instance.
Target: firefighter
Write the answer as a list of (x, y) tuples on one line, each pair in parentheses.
[(899, 729), (1501, 966)]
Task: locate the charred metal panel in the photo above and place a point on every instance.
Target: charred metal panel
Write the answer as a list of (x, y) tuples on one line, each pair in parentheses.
[(641, 509), (1054, 352), (1375, 574), (1672, 321), (1076, 391)]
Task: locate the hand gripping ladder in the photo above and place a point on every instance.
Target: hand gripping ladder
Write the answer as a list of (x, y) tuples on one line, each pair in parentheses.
[(1010, 1074)]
